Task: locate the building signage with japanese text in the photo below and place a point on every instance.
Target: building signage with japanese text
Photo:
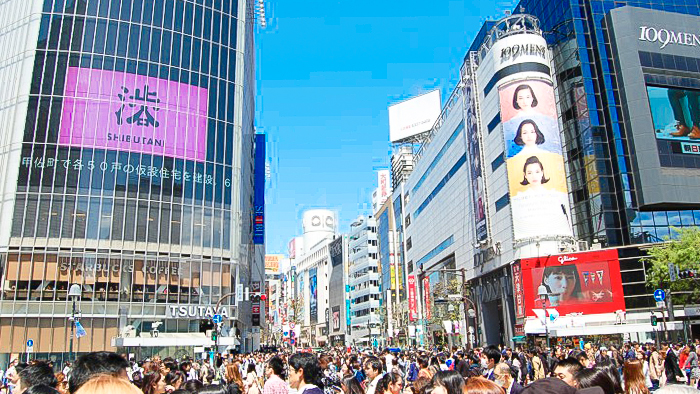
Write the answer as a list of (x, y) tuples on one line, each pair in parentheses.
[(129, 112)]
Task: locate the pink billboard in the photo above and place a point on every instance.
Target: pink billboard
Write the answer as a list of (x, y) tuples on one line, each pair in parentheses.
[(129, 112)]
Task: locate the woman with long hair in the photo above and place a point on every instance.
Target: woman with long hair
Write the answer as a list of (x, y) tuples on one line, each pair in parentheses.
[(233, 374), (350, 385), (251, 383), (633, 376), (152, 382), (174, 380)]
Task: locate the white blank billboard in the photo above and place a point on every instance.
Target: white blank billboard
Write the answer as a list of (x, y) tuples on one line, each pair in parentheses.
[(413, 116)]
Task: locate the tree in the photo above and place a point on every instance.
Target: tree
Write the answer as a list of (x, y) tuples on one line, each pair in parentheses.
[(683, 252)]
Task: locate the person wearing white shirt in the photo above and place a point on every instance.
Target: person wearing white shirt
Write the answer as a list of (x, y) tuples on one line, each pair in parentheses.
[(373, 370)]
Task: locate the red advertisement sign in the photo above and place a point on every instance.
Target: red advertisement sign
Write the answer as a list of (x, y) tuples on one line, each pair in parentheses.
[(587, 282), (426, 294), (518, 290), (412, 310)]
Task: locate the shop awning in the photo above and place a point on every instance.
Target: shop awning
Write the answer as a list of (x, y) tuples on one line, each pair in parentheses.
[(535, 327), (179, 339)]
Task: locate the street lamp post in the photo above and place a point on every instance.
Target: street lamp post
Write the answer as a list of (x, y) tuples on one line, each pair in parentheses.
[(543, 293), (73, 294)]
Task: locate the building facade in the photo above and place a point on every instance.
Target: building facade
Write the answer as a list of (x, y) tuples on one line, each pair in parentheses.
[(127, 132), (363, 279), (313, 271)]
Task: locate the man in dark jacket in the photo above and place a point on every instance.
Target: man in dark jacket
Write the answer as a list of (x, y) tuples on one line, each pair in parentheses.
[(673, 371)]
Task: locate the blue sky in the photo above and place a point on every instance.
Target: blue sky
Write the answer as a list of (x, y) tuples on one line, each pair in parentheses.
[(326, 72)]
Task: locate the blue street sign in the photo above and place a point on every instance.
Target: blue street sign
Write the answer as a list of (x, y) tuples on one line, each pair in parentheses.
[(217, 319), (659, 295), (30, 343), (292, 341)]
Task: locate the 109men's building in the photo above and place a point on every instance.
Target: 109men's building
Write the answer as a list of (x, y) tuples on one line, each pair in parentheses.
[(126, 168)]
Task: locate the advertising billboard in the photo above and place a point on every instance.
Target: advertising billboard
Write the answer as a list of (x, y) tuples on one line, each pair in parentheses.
[(413, 116), (259, 191), (426, 297), (676, 116), (587, 282), (272, 262), (291, 249), (475, 168), (534, 161), (129, 112), (335, 249), (336, 318), (518, 290), (313, 295), (412, 299)]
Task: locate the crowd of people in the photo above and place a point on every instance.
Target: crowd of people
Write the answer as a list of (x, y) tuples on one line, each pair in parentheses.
[(631, 369)]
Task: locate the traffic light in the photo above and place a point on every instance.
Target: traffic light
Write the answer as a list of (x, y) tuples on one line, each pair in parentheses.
[(214, 334), (654, 320), (687, 274)]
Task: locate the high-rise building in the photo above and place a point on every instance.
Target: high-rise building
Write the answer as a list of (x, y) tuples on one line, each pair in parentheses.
[(313, 271), (363, 279), (127, 176), (611, 204)]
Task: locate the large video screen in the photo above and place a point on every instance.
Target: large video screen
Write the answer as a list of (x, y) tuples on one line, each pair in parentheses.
[(129, 112), (676, 116), (587, 283)]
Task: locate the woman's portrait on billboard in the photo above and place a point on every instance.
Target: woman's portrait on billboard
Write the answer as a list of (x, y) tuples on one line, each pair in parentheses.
[(533, 174), (563, 285), (529, 137), (524, 99), (531, 101)]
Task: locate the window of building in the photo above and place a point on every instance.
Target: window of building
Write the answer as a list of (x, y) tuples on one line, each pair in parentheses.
[(497, 162), (502, 202)]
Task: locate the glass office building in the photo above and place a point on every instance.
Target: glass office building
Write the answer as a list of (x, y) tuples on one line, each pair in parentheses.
[(127, 168), (601, 165)]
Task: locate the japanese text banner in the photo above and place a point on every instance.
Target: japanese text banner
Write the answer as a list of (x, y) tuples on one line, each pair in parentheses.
[(129, 112)]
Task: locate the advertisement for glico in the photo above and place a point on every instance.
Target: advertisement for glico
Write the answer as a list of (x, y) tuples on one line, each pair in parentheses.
[(587, 283)]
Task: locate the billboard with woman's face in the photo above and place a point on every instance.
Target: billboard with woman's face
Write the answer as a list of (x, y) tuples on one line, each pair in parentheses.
[(534, 161), (587, 282)]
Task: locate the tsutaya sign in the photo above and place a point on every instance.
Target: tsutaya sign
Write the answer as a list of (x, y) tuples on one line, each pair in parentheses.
[(666, 37), (197, 311)]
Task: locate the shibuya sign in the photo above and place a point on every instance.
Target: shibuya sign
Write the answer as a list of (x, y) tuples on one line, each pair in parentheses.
[(197, 311), (666, 37)]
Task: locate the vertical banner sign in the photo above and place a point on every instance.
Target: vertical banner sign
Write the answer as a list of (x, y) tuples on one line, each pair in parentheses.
[(336, 251), (259, 192), (313, 296), (412, 310), (534, 160), (336, 318), (518, 290), (392, 272), (426, 297), (475, 168)]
